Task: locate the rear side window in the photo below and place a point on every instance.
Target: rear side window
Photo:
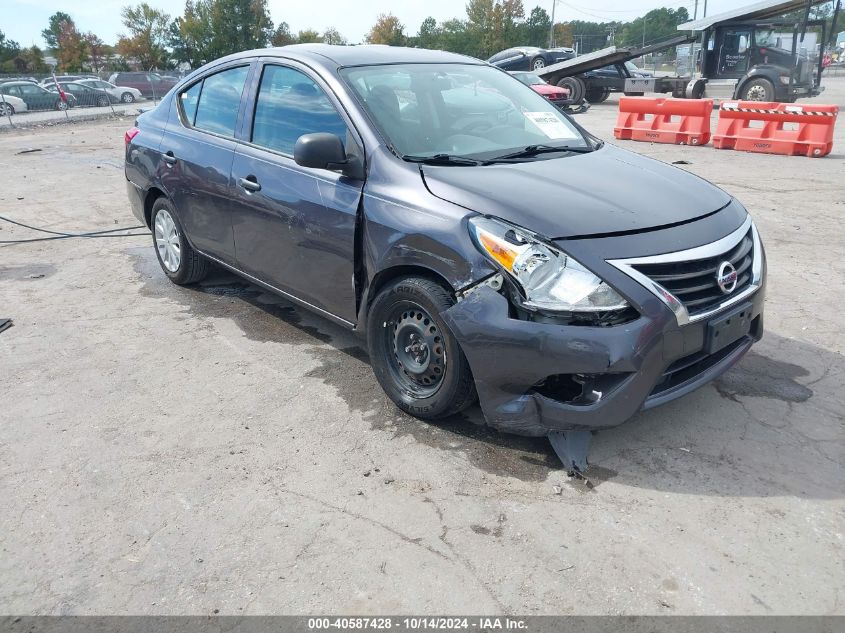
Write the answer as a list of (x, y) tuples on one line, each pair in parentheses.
[(190, 98), (219, 100), (289, 105)]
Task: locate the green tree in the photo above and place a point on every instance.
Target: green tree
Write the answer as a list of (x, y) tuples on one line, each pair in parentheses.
[(332, 36), (282, 35), (537, 27), (96, 49), (148, 35), (655, 25), (52, 32), (387, 30), (72, 51), (308, 36), (429, 34)]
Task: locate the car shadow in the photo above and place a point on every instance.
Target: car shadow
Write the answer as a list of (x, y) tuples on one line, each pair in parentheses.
[(771, 426)]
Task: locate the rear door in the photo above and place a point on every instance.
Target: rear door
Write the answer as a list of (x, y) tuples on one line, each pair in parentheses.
[(295, 226), (197, 157)]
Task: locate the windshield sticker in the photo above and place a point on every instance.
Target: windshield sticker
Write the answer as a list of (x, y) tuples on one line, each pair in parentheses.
[(550, 125)]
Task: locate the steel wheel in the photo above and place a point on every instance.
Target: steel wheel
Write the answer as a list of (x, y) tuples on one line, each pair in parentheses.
[(756, 93), (538, 63), (167, 241), (418, 350)]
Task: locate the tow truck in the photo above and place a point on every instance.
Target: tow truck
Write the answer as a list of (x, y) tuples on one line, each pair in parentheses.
[(739, 57)]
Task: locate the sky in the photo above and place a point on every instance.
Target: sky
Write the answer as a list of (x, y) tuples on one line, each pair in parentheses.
[(23, 20)]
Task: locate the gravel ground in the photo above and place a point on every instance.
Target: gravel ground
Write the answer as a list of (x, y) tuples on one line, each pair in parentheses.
[(214, 449)]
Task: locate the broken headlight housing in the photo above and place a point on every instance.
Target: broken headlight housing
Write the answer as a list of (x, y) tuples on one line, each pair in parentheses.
[(549, 279)]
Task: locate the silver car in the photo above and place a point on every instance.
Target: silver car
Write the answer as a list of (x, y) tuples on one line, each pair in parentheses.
[(124, 93)]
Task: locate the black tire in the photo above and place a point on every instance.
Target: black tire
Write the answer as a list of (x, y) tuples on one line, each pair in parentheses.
[(575, 86), (757, 90), (62, 105), (6, 109), (402, 306), (127, 97), (537, 63), (598, 95), (192, 266), (102, 101)]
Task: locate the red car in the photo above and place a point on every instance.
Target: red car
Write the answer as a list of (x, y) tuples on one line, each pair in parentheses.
[(555, 94)]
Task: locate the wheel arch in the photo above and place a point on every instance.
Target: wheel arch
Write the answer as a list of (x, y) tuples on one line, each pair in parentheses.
[(153, 194), (769, 73)]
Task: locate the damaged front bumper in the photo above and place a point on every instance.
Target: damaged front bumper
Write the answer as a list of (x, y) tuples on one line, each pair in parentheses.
[(537, 378)]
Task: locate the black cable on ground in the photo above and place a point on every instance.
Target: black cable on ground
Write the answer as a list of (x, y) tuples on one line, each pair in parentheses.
[(60, 235)]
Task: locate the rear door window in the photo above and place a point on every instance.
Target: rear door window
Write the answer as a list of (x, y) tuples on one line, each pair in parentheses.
[(289, 105), (189, 99), (219, 101)]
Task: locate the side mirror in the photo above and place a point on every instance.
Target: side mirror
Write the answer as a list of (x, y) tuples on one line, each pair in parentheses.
[(322, 150)]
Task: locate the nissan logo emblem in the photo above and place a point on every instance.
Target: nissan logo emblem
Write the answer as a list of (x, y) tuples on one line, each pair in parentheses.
[(726, 277)]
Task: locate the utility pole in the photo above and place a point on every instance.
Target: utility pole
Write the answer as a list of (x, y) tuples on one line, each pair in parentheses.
[(552, 27), (695, 12)]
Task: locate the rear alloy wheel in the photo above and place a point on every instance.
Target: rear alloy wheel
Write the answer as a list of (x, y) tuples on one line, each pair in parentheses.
[(61, 105), (102, 101), (758, 90), (416, 359), (538, 63), (127, 97), (181, 263), (6, 109)]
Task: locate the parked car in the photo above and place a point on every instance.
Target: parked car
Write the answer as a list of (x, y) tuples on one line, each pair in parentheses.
[(86, 95), (11, 105), (530, 57), (122, 93), (150, 85), (555, 94), (35, 96), (49, 81), (601, 82), (483, 255)]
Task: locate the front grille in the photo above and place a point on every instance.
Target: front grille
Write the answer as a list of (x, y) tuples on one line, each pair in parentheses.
[(693, 282)]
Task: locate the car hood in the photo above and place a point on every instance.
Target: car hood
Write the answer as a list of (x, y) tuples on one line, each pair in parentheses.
[(547, 89), (607, 191)]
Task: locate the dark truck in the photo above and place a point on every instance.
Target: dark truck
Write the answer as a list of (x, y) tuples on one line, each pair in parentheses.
[(741, 56)]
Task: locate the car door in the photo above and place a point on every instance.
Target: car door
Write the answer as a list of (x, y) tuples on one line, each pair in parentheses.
[(197, 152), (734, 52), (295, 226), (36, 98)]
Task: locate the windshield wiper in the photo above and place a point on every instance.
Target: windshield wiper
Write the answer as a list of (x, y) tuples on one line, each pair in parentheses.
[(534, 150), (442, 159)]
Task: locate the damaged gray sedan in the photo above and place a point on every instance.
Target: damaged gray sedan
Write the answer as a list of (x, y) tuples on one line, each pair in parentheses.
[(485, 245)]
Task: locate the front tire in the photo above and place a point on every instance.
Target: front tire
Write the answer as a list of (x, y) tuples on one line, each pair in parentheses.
[(415, 357), (61, 105), (127, 97), (538, 63), (758, 90), (181, 263)]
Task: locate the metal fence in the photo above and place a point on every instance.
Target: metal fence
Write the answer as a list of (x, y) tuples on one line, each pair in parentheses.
[(32, 99)]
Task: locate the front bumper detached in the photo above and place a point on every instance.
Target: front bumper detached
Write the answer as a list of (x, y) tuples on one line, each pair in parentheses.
[(538, 378)]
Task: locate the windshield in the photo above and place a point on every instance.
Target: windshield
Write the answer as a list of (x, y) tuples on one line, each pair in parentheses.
[(458, 110), (529, 79)]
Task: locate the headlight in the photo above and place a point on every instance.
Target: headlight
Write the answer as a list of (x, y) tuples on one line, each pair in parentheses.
[(784, 79), (549, 278)]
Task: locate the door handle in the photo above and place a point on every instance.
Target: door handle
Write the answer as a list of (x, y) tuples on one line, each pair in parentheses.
[(169, 158), (249, 183)]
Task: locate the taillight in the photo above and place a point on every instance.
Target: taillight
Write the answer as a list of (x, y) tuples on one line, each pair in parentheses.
[(130, 134)]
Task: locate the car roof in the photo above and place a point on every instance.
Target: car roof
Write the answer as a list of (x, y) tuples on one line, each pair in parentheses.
[(365, 54), (18, 83)]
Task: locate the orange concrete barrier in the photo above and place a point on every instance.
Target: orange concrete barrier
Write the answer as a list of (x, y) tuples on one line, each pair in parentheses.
[(677, 121), (755, 126)]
